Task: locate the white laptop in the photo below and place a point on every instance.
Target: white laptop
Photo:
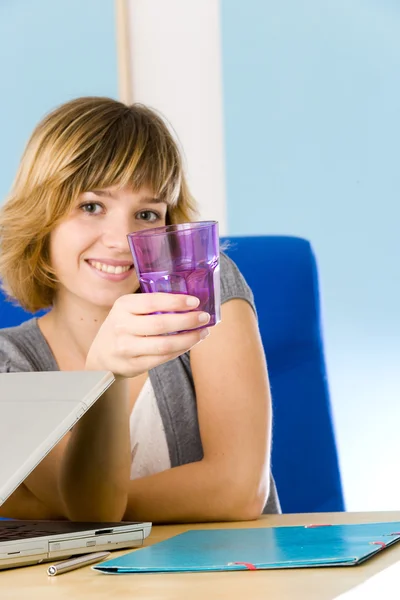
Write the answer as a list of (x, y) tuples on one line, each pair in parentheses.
[(36, 411)]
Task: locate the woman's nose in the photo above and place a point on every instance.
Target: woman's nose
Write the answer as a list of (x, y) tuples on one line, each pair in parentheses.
[(115, 236)]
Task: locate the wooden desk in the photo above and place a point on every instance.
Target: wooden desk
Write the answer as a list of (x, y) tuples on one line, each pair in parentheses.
[(32, 583)]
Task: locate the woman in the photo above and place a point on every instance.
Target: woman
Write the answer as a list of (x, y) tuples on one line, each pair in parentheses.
[(184, 433)]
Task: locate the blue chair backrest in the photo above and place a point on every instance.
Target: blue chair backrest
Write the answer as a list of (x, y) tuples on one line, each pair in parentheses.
[(282, 273), (283, 276)]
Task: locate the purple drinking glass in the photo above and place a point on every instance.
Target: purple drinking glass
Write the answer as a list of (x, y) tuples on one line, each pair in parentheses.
[(180, 259)]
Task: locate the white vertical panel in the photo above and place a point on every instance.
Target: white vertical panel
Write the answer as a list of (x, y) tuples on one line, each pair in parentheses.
[(176, 69), (123, 51)]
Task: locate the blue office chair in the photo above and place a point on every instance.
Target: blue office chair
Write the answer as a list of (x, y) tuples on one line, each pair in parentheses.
[(283, 276), (282, 273)]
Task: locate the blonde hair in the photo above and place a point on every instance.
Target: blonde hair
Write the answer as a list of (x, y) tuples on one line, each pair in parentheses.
[(88, 143)]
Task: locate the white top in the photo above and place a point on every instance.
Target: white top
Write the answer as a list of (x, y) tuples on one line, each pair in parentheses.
[(149, 448)]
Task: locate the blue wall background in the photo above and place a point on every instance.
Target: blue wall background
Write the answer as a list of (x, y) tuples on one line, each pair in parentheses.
[(312, 121), (50, 51)]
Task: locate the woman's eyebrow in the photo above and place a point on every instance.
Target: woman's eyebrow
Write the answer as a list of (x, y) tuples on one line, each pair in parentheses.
[(152, 200), (101, 193), (143, 200)]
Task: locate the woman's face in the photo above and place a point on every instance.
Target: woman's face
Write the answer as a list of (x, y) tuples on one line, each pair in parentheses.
[(89, 249)]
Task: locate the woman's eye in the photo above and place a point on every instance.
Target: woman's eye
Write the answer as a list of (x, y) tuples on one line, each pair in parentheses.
[(92, 208), (148, 215)]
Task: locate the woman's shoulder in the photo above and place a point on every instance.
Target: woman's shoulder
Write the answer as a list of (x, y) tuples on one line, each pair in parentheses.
[(23, 348), (233, 283)]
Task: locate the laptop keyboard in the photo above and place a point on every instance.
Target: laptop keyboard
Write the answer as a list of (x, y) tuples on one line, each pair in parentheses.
[(21, 533), (21, 530)]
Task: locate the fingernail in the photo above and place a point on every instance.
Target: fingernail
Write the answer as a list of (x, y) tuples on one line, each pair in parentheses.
[(192, 301), (205, 333), (204, 317)]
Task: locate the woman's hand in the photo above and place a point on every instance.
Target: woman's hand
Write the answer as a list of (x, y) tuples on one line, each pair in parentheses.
[(133, 339)]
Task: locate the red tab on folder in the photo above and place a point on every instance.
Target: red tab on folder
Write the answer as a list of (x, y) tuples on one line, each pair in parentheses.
[(249, 566)]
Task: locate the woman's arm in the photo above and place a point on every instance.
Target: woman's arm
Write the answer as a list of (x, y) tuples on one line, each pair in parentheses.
[(95, 469), (23, 504), (234, 409), (86, 476)]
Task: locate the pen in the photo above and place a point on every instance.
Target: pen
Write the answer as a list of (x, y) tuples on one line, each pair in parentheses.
[(76, 563)]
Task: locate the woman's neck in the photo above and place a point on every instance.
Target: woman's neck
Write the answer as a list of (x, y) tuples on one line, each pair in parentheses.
[(70, 328)]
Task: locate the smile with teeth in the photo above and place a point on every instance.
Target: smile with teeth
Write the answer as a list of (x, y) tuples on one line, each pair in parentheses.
[(117, 270)]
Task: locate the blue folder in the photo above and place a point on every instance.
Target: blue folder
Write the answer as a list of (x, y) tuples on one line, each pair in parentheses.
[(259, 548)]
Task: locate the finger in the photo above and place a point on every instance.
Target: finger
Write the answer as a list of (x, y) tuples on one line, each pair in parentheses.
[(145, 363), (150, 325), (171, 344), (144, 304), (160, 345)]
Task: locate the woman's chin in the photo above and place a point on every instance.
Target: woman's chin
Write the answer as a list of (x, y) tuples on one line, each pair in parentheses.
[(107, 300)]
